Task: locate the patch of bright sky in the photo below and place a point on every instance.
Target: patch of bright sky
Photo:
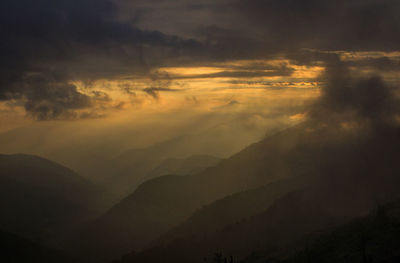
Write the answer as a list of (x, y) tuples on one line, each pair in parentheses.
[(205, 93)]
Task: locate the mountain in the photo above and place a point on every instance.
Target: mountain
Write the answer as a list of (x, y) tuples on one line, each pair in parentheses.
[(15, 249), (120, 156), (124, 173), (184, 166), (233, 209), (155, 206), (373, 238), (39, 198), (163, 203), (351, 178)]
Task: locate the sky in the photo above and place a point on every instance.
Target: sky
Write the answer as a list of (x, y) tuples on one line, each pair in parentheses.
[(155, 69)]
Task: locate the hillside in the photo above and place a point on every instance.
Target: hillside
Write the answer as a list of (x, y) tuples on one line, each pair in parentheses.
[(15, 249), (39, 198), (184, 166), (123, 174), (161, 204), (233, 209), (374, 238), (352, 178)]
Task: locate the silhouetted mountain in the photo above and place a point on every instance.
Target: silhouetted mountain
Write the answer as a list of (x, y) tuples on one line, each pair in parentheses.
[(353, 174), (155, 206), (184, 166), (124, 173), (39, 198), (374, 238), (233, 209), (108, 156), (163, 203), (15, 249)]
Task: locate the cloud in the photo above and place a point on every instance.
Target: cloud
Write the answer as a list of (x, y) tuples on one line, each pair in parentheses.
[(245, 73), (63, 41), (49, 98), (161, 82), (346, 96), (381, 64), (154, 92), (325, 24)]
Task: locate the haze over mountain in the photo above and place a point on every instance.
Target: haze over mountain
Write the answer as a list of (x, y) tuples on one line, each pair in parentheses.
[(179, 166), (346, 187), (108, 160), (208, 130), (352, 152), (41, 199), (125, 172), (164, 202)]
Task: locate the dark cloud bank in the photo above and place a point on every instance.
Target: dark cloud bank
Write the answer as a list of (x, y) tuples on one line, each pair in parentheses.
[(45, 45), (309, 31), (48, 44), (345, 96), (328, 25)]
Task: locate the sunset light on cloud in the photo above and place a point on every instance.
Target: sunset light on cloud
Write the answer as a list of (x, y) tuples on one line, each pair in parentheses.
[(192, 131), (252, 82)]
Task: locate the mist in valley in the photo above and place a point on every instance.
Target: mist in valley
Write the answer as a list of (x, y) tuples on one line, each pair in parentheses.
[(216, 131)]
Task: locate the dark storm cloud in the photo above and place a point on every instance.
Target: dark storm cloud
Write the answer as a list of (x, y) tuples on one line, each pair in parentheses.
[(49, 98), (65, 40), (325, 24), (382, 64), (379, 63), (345, 96), (60, 41), (234, 42)]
